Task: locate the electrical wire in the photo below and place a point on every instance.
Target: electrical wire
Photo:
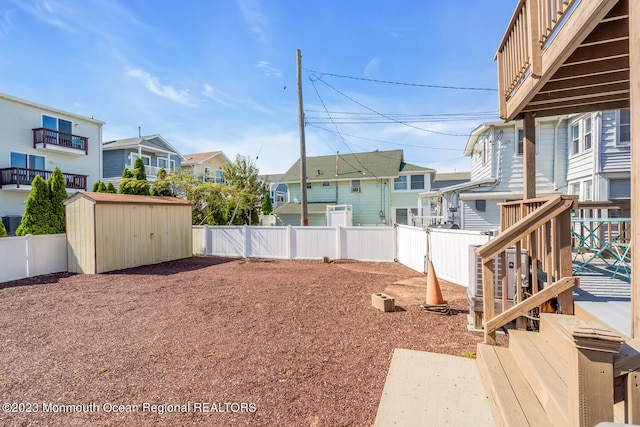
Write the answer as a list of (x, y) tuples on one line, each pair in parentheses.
[(393, 120), (403, 83)]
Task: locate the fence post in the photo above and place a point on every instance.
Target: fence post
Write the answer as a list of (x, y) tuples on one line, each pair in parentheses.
[(29, 254), (247, 241), (208, 240), (289, 242), (339, 242)]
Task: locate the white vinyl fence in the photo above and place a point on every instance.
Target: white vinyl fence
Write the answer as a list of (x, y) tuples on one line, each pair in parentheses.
[(29, 256), (359, 243), (449, 250)]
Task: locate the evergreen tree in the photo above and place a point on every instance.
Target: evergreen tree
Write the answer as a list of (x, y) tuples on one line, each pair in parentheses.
[(101, 187), (161, 186), (57, 193), (111, 188), (37, 210), (95, 186), (267, 206), (3, 231), (127, 175), (139, 172)]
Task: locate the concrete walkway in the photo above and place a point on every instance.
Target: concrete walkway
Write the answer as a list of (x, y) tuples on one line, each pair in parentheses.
[(430, 389)]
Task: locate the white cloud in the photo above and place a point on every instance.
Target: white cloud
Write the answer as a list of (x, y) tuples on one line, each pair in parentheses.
[(153, 84), (254, 17), (268, 70)]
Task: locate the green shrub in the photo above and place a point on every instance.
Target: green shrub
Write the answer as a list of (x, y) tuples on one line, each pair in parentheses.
[(111, 188), (37, 210), (3, 231), (57, 193)]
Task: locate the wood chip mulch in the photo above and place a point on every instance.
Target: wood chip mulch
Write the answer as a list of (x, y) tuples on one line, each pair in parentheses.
[(215, 341)]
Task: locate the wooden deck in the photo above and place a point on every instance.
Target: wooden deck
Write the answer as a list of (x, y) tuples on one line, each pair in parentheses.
[(603, 297)]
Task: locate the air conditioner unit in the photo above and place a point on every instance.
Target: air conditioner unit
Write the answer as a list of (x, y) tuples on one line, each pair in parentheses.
[(474, 291), (475, 282), (355, 189)]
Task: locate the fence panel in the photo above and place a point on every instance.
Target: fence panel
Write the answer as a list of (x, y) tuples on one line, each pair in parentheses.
[(268, 242), (47, 254), (367, 243), (450, 253), (28, 256), (226, 241), (411, 247), (314, 242), (13, 253)]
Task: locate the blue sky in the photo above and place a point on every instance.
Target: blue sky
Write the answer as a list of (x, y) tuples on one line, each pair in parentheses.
[(221, 74)]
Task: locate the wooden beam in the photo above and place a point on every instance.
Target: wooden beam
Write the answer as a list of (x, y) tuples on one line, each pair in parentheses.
[(488, 308), (529, 158), (541, 297), (634, 64)]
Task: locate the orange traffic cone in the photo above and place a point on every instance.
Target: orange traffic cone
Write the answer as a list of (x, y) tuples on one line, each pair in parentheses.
[(434, 303)]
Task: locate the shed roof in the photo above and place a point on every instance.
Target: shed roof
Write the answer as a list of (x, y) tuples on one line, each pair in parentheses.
[(110, 198)]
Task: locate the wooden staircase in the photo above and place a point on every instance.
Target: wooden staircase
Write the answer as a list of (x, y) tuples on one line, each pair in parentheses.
[(560, 376)]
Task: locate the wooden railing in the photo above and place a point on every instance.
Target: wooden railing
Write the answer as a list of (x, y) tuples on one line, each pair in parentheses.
[(520, 52), (61, 139), (542, 227), (24, 176)]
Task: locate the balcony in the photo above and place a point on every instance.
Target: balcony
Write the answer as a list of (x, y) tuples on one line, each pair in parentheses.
[(19, 179), (564, 56), (47, 139)]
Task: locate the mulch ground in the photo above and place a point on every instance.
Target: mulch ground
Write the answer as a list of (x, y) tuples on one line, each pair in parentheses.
[(214, 341)]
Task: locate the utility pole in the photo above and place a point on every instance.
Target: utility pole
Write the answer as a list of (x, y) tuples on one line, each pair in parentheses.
[(304, 221)]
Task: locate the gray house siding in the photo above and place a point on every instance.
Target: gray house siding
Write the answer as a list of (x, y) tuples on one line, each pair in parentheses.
[(473, 219), (613, 158), (113, 162)]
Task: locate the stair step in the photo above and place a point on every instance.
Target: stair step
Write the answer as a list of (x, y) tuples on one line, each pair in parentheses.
[(513, 401), (545, 371)]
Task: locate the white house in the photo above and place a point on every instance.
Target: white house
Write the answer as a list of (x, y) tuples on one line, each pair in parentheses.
[(600, 156), (34, 140), (496, 152)]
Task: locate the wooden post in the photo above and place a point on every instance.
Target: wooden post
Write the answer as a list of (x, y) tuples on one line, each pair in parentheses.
[(304, 221), (563, 225), (488, 299), (534, 46), (634, 83), (529, 158)]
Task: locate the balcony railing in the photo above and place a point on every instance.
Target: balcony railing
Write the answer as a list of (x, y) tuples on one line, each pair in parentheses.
[(542, 227), (24, 176), (60, 139)]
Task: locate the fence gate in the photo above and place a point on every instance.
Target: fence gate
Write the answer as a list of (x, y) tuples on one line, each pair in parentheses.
[(411, 247)]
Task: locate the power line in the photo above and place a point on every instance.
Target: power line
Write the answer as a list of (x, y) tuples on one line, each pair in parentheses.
[(385, 142), (311, 77), (403, 83)]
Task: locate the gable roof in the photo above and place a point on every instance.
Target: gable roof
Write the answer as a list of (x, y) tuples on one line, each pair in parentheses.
[(101, 198), (370, 165), (199, 158), (143, 141)]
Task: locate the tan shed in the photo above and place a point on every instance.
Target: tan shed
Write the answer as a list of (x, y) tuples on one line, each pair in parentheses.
[(107, 232)]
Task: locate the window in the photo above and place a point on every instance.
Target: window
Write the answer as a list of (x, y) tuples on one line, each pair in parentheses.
[(520, 142), (403, 215), (168, 166), (355, 186), (481, 205), (587, 134), (219, 177), (624, 128), (400, 183), (326, 183), (575, 138), (30, 161), (620, 188), (145, 159), (207, 170), (588, 190), (417, 182), (574, 189)]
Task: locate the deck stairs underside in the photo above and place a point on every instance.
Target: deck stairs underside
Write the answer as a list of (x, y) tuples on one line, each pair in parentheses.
[(570, 373)]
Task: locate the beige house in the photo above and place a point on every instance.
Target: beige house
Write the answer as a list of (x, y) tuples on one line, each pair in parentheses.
[(207, 166)]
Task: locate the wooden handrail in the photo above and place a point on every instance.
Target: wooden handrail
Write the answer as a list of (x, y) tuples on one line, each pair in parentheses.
[(534, 301), (526, 225), (542, 227)]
